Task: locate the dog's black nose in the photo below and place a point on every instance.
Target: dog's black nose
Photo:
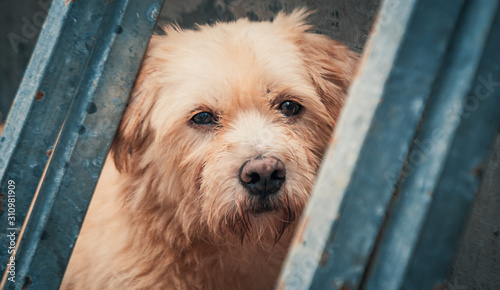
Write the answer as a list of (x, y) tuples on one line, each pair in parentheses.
[(262, 176)]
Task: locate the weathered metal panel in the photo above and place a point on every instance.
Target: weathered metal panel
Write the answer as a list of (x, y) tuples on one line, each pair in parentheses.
[(389, 136), (476, 263), (41, 104), (426, 169), (20, 24), (479, 122), (83, 144)]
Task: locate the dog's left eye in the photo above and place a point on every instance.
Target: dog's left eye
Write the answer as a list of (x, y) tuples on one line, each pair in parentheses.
[(203, 118), (290, 108)]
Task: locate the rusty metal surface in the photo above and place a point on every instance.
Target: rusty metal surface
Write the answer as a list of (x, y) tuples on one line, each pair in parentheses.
[(41, 104), (20, 23), (101, 91)]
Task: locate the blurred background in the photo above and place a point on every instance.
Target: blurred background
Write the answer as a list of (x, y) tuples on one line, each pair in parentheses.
[(477, 264)]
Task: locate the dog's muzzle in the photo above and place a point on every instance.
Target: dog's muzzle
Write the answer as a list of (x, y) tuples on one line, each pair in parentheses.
[(262, 176)]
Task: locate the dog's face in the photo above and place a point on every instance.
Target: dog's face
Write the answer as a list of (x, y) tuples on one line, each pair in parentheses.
[(230, 122)]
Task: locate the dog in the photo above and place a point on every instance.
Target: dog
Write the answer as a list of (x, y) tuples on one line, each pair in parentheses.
[(215, 157)]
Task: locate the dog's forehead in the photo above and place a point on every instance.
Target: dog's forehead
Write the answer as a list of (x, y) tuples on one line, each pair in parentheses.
[(236, 59)]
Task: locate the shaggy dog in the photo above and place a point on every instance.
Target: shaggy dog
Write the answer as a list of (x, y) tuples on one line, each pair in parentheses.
[(214, 159)]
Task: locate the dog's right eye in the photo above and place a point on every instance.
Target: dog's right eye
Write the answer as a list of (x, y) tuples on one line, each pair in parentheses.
[(290, 108), (203, 118)]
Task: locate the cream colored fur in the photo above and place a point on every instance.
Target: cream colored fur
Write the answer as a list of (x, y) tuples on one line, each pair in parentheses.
[(169, 212)]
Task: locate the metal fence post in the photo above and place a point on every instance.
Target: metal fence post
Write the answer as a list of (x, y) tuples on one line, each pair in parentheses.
[(81, 73)]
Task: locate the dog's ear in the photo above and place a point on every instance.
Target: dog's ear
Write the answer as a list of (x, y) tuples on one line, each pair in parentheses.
[(332, 67), (135, 133), (330, 64)]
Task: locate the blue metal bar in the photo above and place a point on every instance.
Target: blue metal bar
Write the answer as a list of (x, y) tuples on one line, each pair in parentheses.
[(41, 104), (428, 164), (462, 174), (407, 69), (64, 195)]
